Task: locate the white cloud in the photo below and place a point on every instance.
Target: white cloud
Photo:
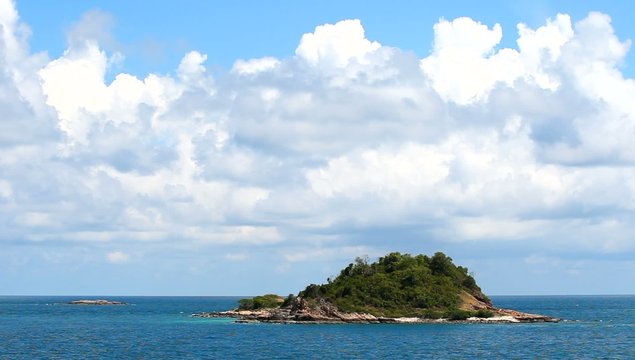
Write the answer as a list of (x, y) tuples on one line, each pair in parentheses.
[(466, 171), (544, 43), (5, 189), (74, 87), (592, 58), (32, 219), (345, 253), (117, 257), (472, 143), (255, 66), (464, 66), (412, 170), (191, 68), (341, 54), (236, 256), (336, 45), (254, 235)]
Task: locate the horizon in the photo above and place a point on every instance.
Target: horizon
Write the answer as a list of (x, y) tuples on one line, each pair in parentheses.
[(229, 147), (111, 297)]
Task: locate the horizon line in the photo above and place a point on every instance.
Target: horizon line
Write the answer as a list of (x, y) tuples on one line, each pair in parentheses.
[(102, 295)]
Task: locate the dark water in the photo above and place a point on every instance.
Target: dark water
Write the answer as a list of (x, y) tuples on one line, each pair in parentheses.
[(597, 327)]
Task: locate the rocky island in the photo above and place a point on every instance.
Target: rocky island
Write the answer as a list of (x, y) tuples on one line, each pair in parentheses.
[(398, 288), (96, 302)]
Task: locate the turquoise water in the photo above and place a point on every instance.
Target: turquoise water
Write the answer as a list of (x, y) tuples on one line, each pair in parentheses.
[(596, 327)]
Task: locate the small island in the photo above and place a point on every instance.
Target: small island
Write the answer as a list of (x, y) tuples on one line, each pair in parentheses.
[(96, 302), (398, 288)]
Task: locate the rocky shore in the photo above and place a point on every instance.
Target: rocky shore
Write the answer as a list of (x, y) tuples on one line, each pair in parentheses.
[(300, 312), (96, 302)]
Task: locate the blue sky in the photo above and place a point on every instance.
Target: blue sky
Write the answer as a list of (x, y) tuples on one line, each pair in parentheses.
[(222, 148), (154, 38)]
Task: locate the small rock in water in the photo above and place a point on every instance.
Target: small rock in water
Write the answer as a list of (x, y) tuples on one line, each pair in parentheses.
[(96, 302)]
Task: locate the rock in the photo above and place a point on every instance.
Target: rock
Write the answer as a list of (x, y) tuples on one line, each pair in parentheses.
[(323, 312), (525, 317), (96, 302)]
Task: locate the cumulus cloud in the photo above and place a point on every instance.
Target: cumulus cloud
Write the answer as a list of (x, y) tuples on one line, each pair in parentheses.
[(336, 45), (465, 65), (255, 66), (74, 86), (473, 143)]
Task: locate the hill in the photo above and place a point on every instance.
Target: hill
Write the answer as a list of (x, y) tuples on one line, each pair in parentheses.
[(401, 285), (396, 288)]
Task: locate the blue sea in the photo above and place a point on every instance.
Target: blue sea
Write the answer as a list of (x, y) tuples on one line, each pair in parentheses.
[(44, 327)]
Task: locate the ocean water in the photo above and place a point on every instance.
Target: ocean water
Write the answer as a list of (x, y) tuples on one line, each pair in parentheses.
[(595, 327)]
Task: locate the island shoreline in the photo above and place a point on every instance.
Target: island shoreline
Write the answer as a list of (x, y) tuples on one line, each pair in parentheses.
[(287, 316)]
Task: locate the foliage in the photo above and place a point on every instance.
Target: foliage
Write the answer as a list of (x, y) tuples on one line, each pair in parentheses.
[(457, 314), (288, 300), (483, 313), (398, 285), (260, 302), (432, 314)]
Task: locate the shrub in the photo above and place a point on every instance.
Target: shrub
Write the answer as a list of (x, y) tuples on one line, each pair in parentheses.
[(432, 314), (288, 301), (457, 314), (483, 313), (260, 302), (245, 304)]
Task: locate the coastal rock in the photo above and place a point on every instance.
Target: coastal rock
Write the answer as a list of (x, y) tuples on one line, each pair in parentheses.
[(526, 317), (323, 312), (96, 302)]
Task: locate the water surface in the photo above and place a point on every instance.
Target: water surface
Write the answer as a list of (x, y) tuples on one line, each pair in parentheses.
[(162, 328)]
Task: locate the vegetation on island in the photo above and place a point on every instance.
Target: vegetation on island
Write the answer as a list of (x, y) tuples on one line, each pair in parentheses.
[(396, 285), (260, 302), (400, 285)]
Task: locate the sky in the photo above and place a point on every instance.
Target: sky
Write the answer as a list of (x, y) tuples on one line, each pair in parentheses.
[(240, 148)]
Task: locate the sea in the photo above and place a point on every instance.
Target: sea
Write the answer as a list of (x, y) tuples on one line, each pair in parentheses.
[(47, 327)]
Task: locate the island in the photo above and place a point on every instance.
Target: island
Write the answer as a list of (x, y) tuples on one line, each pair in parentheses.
[(398, 288), (96, 302)]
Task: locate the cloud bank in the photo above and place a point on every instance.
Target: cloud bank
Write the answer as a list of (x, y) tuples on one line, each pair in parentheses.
[(526, 149)]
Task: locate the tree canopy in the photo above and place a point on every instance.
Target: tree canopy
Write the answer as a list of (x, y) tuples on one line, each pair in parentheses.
[(260, 302), (398, 285)]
